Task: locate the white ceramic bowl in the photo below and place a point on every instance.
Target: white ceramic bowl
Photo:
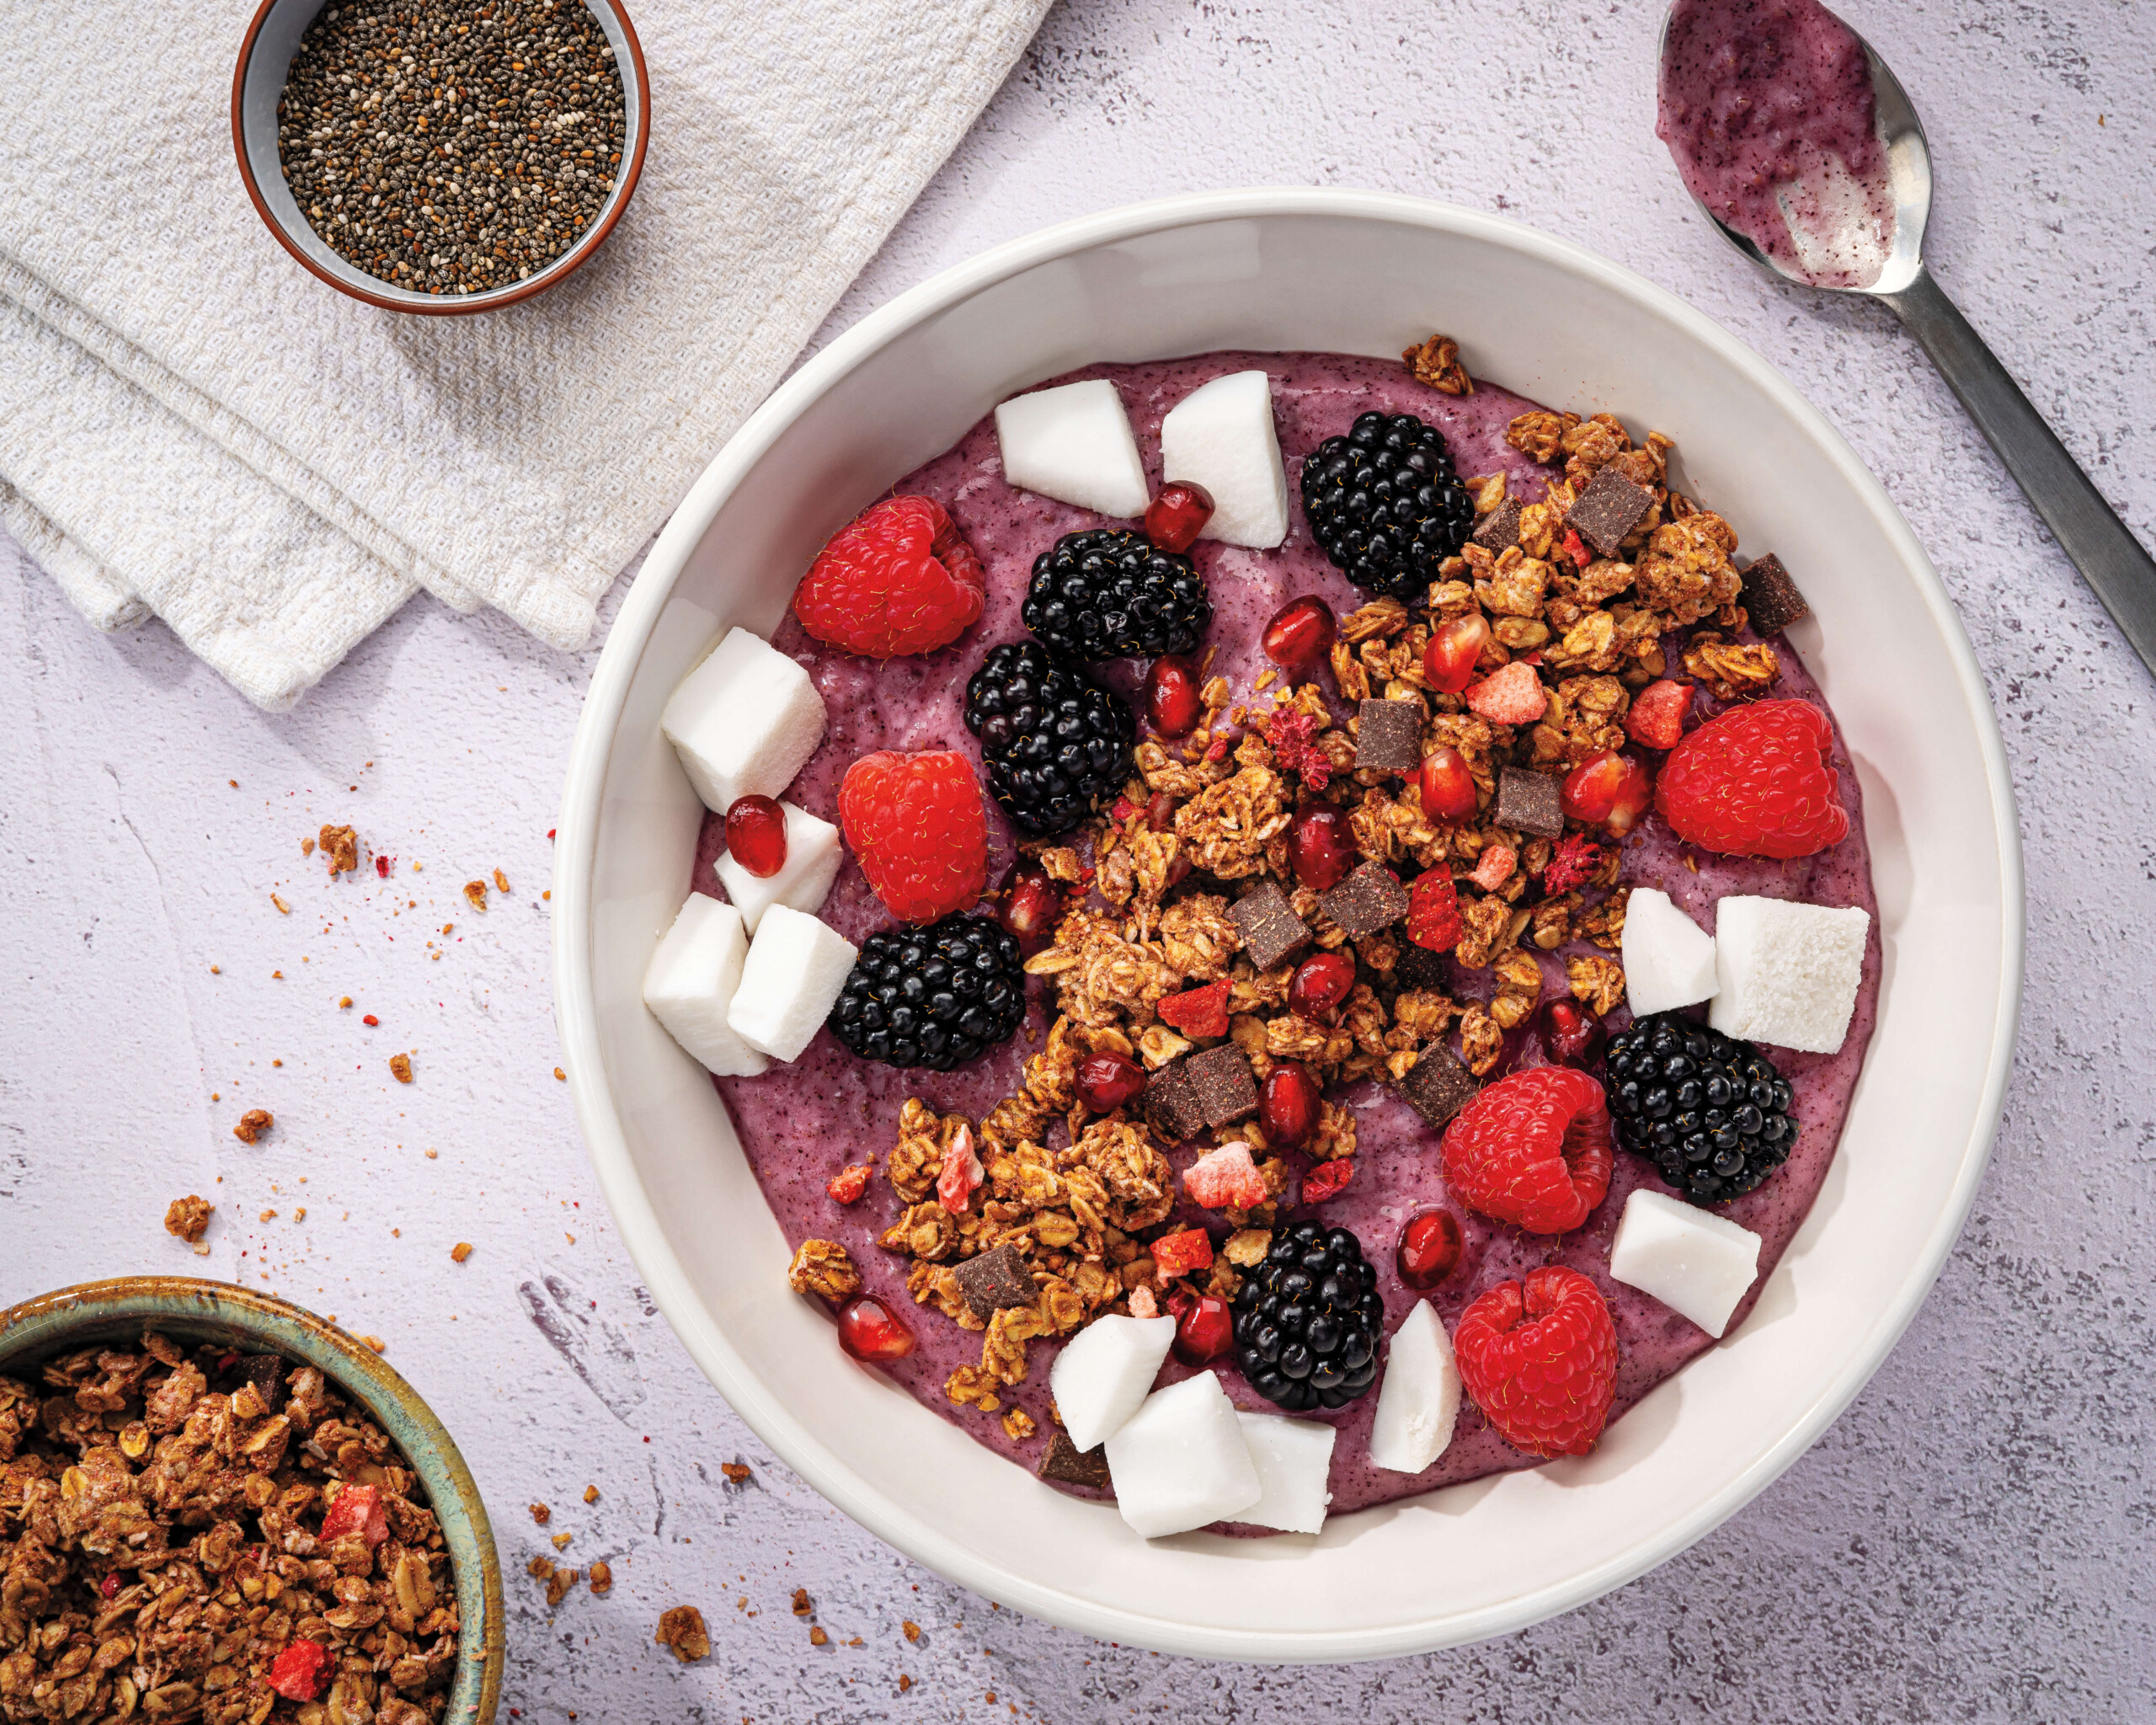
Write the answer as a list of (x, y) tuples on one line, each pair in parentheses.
[(1362, 273)]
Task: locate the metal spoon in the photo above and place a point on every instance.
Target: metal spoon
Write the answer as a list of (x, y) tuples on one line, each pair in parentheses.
[(2113, 563)]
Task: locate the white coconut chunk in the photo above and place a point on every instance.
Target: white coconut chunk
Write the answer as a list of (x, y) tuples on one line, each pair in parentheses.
[(1180, 1461), (1669, 960), (1694, 1262), (1074, 443), (1101, 1376), (803, 880), (1293, 1458), (690, 984), (1418, 1399), (743, 722), (1786, 973), (1221, 436), (790, 979)]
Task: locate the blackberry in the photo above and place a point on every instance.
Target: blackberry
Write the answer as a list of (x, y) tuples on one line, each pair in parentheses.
[(1057, 746), (934, 996), (1385, 503), (1308, 1320), (1109, 593), (1708, 1111)]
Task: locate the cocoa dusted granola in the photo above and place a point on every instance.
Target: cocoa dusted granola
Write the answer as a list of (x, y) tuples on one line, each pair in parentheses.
[(190, 1534), (681, 1630), (187, 1217)]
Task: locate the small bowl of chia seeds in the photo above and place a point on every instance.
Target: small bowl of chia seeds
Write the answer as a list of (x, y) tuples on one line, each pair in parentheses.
[(440, 156)]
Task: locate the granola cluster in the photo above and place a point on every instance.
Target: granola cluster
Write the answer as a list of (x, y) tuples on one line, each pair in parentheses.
[(172, 1553)]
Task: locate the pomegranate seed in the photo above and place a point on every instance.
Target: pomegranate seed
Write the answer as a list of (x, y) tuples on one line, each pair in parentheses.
[(1031, 906), (1301, 632), (1571, 1035), (1175, 519), (1429, 1249), (1204, 1328), (756, 834), (1287, 1106), (1321, 982), (1172, 706), (1448, 661), (1107, 1081), (110, 1585), (869, 1332), (1607, 789), (1447, 786), (1320, 845)]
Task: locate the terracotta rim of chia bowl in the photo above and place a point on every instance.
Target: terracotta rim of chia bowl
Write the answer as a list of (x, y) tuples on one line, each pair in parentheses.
[(637, 92), (197, 1309)]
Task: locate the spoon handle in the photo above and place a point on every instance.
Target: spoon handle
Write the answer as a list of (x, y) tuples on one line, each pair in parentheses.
[(2113, 563)]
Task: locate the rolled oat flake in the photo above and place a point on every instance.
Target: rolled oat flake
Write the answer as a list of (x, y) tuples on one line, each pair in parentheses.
[(451, 146)]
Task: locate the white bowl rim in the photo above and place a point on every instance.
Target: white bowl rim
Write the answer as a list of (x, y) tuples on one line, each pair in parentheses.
[(576, 1014)]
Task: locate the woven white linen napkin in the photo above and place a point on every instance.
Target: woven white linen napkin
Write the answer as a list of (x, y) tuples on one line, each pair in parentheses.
[(192, 425)]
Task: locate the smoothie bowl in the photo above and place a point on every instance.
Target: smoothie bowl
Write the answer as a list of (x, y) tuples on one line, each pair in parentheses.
[(1219, 955)]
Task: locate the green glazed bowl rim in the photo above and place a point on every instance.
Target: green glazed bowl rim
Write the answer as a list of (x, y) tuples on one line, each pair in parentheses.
[(192, 1309)]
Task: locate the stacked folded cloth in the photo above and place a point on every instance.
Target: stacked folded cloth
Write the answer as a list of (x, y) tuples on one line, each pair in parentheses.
[(192, 425)]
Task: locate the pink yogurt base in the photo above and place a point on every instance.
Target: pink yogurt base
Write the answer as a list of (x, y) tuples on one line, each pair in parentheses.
[(799, 1125), (1767, 107)]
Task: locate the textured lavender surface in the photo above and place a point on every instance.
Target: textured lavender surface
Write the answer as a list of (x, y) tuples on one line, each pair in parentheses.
[(1968, 1542)]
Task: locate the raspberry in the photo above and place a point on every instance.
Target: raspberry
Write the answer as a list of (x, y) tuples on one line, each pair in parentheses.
[(915, 823), (1757, 782), (1658, 715), (1540, 1360), (1179, 1254), (1533, 1150), (1512, 695), (1326, 1180), (1434, 911), (1226, 1178), (1199, 1011), (897, 579)]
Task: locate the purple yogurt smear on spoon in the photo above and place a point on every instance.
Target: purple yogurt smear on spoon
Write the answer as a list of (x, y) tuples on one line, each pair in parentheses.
[(1767, 107)]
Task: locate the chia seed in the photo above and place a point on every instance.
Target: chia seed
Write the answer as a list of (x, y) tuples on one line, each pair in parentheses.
[(451, 146)]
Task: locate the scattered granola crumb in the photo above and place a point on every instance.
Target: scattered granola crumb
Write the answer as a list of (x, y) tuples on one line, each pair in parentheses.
[(300, 1215), (818, 1638), (433, 1154), (376, 1343), (912, 1629), (253, 1124), (558, 1585), (548, 893), (277, 976), (370, 1019), (216, 971), (561, 1541), (185, 1218), (343, 1000), (542, 1566), (475, 894), (591, 1494), (801, 1607), (268, 1215), (738, 1472), (541, 1515), (283, 910), (560, 1075), (341, 845), (905, 1682), (602, 1577), (307, 848), (682, 1629), (460, 1252), (401, 1064), (501, 882)]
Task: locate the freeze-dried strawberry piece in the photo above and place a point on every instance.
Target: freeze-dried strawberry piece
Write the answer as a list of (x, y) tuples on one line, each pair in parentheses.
[(846, 1186), (1225, 1178), (1656, 717), (358, 1509), (299, 1670), (1199, 1011), (1327, 1179), (1179, 1254), (1512, 695), (1493, 867), (961, 1174), (1434, 911)]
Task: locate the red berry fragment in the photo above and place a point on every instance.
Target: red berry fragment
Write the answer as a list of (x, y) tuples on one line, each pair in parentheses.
[(1430, 1248), (1031, 907), (1658, 715), (1199, 1011), (1321, 983), (1320, 845), (1607, 789), (1512, 695), (1448, 661), (358, 1510), (1287, 1106), (1178, 1254), (756, 834), (1205, 1327), (1571, 1035), (1446, 785), (1533, 1148), (1301, 632), (1178, 515), (1494, 867), (1757, 781), (300, 1670), (1170, 700), (871, 1333), (1328, 1179), (897, 578), (915, 823), (1433, 919), (1574, 859), (1539, 1358), (1225, 1178), (1108, 1080), (846, 1186)]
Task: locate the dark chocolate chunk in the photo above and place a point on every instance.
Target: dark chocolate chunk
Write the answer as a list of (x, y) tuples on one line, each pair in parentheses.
[(1170, 1104), (1370, 899), (1418, 967), (1610, 508), (1770, 597), (993, 1280), (1065, 1461), (1268, 924), (1529, 802), (1226, 1089), (1390, 736), (1437, 1085), (1498, 532), (266, 1372)]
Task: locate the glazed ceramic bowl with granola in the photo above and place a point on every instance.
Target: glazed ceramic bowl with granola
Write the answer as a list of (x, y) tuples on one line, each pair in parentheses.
[(1309, 823)]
